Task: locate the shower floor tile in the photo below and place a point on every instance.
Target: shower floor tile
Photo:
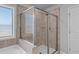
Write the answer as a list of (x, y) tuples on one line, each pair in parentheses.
[(15, 49)]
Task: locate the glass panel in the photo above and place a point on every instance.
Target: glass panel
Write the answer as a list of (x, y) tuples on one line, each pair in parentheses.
[(52, 33), (27, 25), (40, 40), (5, 21)]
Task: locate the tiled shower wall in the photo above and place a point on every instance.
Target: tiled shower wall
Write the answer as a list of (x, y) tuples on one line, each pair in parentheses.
[(41, 28), (7, 42)]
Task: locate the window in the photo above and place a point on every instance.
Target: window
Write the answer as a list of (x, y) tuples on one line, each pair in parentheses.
[(6, 21)]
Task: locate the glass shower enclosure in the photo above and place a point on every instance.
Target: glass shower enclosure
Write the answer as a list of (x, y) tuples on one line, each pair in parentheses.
[(37, 29)]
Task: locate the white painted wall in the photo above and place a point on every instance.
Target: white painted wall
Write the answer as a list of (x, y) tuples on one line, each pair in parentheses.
[(63, 25)]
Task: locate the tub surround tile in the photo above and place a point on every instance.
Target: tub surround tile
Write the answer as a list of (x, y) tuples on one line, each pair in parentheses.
[(11, 42), (7, 42)]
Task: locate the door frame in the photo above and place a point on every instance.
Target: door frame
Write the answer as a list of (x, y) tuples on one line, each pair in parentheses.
[(69, 27)]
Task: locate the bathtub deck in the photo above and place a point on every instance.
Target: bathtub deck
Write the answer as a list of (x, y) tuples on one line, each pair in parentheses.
[(15, 49)]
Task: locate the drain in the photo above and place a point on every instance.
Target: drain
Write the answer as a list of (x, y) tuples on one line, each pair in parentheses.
[(40, 53)]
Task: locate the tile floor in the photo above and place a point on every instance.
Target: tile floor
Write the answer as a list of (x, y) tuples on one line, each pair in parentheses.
[(15, 49)]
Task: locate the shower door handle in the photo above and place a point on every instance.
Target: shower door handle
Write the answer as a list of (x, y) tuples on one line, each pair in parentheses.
[(50, 28)]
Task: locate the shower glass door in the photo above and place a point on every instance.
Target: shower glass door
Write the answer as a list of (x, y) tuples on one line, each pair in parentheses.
[(52, 33), (40, 31)]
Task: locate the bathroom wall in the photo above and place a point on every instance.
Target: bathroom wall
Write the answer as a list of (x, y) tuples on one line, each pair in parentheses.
[(63, 30)]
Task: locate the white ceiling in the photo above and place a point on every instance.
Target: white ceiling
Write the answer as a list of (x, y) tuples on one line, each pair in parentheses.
[(41, 6)]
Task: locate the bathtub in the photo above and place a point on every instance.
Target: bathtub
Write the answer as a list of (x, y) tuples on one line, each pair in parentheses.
[(27, 46), (32, 49)]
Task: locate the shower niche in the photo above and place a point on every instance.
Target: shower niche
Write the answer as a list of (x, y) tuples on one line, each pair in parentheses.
[(38, 28)]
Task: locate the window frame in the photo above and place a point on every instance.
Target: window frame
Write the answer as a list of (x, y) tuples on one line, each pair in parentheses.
[(12, 18)]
